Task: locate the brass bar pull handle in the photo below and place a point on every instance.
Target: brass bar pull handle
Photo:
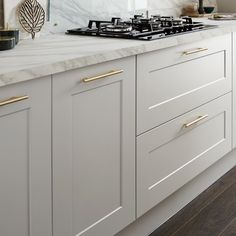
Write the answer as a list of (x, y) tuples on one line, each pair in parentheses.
[(113, 72), (13, 100), (197, 50), (200, 118)]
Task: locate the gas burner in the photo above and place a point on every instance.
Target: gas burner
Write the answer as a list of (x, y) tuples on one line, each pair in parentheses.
[(139, 27), (167, 18), (177, 22), (118, 28)]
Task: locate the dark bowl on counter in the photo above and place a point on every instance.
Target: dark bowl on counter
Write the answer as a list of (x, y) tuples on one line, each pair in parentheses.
[(209, 9), (12, 33), (7, 43)]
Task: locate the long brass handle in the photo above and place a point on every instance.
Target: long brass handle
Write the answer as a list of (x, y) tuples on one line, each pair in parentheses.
[(13, 100), (200, 118), (197, 50), (113, 72)]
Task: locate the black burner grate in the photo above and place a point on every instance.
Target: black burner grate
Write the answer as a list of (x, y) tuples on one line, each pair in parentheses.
[(141, 28)]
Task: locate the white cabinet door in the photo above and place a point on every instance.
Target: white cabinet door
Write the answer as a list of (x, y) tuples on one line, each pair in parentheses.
[(172, 154), (94, 150), (25, 159)]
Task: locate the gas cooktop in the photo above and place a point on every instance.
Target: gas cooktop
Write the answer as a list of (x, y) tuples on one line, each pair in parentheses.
[(140, 27)]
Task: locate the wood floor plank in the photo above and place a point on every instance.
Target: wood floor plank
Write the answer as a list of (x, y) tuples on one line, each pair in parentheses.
[(197, 205), (215, 217), (230, 230)]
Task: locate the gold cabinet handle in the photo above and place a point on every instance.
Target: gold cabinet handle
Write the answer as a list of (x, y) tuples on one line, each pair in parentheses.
[(200, 118), (197, 50), (113, 72), (13, 100)]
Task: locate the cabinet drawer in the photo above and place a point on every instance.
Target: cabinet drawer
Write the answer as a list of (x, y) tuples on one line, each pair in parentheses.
[(174, 153), (170, 83), (98, 75)]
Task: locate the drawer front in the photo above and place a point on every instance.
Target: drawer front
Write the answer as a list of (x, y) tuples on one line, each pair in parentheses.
[(171, 83), (98, 75), (174, 153)]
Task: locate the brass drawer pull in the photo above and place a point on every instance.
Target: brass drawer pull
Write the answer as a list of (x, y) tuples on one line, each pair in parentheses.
[(197, 50), (113, 72), (13, 100), (200, 118)]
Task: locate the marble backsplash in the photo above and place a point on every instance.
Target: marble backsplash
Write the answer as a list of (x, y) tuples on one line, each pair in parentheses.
[(67, 14)]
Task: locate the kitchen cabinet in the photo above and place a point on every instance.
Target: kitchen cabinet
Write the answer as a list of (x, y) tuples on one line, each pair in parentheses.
[(25, 159), (178, 86), (94, 149), (87, 151)]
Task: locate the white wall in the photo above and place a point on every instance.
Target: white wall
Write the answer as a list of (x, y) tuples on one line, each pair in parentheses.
[(227, 6)]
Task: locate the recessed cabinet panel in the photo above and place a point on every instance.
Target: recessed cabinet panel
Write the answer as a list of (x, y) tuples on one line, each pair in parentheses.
[(94, 150), (172, 154), (14, 174), (234, 90), (97, 155), (177, 81), (172, 82), (25, 159)]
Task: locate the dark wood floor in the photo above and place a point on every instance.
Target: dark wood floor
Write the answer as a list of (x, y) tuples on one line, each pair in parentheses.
[(212, 213)]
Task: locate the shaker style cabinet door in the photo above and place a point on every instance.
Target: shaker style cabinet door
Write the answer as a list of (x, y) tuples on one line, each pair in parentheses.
[(25, 159), (94, 149)]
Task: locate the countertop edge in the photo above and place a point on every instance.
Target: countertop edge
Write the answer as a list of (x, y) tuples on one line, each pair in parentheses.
[(80, 62)]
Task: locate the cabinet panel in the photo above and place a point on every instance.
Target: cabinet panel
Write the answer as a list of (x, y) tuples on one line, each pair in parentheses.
[(185, 79), (25, 160), (14, 174), (94, 145), (172, 154), (190, 81), (96, 155), (234, 90)]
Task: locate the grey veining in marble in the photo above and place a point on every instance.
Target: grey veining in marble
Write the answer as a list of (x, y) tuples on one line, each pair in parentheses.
[(67, 14), (58, 53)]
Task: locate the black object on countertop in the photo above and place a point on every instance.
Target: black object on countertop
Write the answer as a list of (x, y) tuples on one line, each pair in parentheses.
[(200, 7), (7, 43), (141, 28), (12, 33)]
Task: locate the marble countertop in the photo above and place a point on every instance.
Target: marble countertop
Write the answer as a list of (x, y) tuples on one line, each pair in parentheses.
[(58, 53)]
